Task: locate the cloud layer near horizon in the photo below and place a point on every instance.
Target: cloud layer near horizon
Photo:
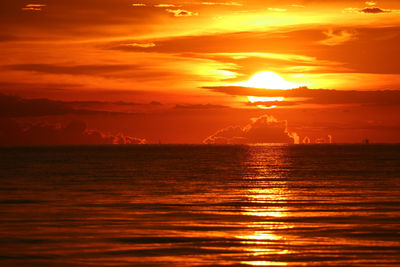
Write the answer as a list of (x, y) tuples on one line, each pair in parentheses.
[(74, 133), (302, 96), (264, 129)]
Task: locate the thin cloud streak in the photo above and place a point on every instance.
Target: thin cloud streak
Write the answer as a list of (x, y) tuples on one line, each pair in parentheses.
[(73, 133), (318, 96)]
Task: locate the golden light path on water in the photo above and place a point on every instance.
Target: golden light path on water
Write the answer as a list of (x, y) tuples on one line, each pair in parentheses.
[(266, 189)]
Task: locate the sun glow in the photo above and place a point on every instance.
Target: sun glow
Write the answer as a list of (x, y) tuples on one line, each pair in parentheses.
[(268, 80), (263, 101), (254, 99)]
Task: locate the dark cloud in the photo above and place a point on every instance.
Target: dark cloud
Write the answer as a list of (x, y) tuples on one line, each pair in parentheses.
[(373, 10), (119, 103), (74, 18), (318, 96), (74, 133), (200, 106), (264, 129), (117, 106), (141, 73), (38, 86), (7, 37), (74, 69), (14, 106)]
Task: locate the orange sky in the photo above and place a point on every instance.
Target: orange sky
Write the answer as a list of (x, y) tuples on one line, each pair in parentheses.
[(176, 71)]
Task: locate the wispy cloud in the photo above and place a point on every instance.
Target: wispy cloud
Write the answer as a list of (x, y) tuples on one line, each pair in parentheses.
[(370, 3), (141, 45), (72, 69), (165, 5), (336, 37), (138, 4), (304, 95), (34, 7), (221, 4), (182, 13), (275, 9), (298, 6)]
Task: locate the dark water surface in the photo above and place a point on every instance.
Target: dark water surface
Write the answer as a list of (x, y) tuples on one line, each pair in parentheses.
[(200, 206)]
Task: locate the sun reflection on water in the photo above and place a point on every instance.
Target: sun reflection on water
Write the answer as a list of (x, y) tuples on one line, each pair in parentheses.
[(264, 263), (267, 191)]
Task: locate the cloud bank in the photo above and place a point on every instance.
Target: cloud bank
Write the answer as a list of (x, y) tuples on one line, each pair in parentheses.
[(14, 106), (264, 129), (303, 95), (74, 133)]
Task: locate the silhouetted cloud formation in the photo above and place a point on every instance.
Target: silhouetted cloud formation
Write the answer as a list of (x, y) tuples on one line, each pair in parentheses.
[(373, 10), (14, 106), (73, 69), (7, 37), (74, 133), (182, 12), (199, 106), (264, 129), (316, 96)]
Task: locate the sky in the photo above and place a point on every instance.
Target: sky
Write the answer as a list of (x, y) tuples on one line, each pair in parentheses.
[(226, 72)]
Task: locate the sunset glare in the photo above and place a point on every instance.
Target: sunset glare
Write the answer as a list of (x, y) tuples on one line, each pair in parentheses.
[(267, 80)]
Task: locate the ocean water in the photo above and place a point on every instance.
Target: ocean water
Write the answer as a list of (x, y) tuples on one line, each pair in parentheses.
[(165, 205)]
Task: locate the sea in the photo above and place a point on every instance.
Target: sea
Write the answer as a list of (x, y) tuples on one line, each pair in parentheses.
[(200, 205)]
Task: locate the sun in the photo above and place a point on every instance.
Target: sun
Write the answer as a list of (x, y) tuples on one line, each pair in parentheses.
[(268, 80)]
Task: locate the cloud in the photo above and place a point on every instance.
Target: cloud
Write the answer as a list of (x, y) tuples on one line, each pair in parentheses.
[(199, 107), (221, 4), (275, 9), (138, 4), (72, 69), (370, 3), (8, 37), (13, 106), (336, 38), (182, 13), (141, 45), (139, 72), (304, 95), (264, 129), (118, 107), (272, 104), (72, 19), (298, 6), (33, 7), (74, 133), (370, 8), (165, 5), (334, 51), (373, 10)]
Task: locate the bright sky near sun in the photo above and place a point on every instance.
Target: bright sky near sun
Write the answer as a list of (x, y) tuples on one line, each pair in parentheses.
[(198, 55), (267, 80)]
